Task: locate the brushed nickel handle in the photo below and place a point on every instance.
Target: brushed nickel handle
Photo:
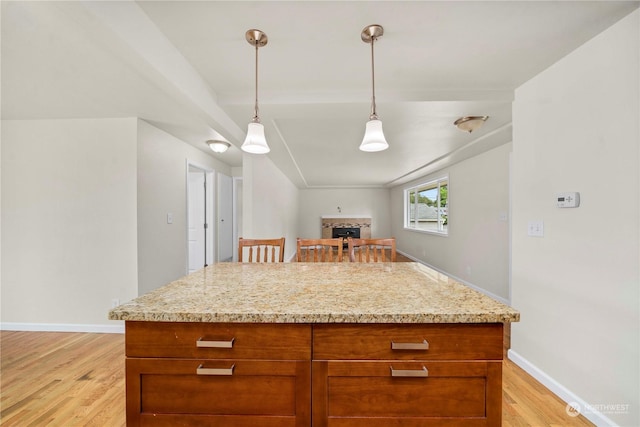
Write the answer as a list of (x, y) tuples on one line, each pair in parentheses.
[(215, 344), (424, 345), (214, 371), (415, 373)]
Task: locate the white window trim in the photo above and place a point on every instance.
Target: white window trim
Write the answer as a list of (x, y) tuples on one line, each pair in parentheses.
[(407, 190)]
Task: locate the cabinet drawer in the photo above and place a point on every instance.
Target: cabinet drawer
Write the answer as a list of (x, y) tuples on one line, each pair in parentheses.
[(408, 341), (218, 340), (218, 392), (429, 393)]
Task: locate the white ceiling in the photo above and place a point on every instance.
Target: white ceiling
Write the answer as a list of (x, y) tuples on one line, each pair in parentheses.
[(186, 68)]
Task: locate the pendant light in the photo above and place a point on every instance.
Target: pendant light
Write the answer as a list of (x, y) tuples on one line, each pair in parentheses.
[(256, 142), (373, 136)]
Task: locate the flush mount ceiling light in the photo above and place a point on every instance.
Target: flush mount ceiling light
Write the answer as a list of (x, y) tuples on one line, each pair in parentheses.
[(256, 142), (470, 123), (373, 136), (218, 146)]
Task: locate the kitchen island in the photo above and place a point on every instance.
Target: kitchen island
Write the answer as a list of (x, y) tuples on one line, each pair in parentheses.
[(326, 344)]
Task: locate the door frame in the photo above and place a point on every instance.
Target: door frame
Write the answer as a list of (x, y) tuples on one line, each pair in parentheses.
[(210, 206)]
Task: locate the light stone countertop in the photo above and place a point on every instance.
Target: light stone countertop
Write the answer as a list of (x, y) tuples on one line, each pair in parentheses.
[(403, 292)]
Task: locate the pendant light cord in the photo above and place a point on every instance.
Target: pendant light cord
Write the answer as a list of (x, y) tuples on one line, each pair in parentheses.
[(256, 119), (373, 115)]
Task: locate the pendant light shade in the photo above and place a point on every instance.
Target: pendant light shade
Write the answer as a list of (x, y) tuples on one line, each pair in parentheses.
[(256, 143), (374, 139)]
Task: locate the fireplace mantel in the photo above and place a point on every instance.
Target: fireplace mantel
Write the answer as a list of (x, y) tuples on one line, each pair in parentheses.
[(348, 216)]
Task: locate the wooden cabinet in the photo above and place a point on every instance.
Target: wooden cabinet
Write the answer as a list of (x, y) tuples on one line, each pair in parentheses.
[(324, 375), (232, 375), (407, 375)]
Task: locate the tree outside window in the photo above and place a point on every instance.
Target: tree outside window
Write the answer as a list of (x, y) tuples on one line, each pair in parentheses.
[(426, 207)]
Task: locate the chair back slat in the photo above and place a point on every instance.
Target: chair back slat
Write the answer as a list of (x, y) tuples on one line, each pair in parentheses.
[(371, 250), (319, 250), (258, 250)]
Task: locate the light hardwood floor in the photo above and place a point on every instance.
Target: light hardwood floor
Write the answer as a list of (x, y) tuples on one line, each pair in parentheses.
[(77, 379)]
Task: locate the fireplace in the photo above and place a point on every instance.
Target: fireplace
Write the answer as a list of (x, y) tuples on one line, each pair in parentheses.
[(344, 233), (344, 223)]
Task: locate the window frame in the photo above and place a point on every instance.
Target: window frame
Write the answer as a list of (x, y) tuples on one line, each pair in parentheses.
[(437, 183)]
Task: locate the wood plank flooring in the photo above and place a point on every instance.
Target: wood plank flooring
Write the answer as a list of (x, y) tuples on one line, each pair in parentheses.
[(77, 379), (62, 379)]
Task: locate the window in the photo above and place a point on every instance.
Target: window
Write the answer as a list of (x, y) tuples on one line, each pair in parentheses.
[(426, 206)]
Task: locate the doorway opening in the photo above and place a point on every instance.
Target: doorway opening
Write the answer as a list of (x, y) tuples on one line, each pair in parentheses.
[(226, 218), (200, 211)]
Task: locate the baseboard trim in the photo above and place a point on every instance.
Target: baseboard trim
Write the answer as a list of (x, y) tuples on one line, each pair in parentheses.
[(62, 327), (569, 397), (457, 279), (292, 258)]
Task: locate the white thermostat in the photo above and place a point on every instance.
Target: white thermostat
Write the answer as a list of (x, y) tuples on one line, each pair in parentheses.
[(568, 200)]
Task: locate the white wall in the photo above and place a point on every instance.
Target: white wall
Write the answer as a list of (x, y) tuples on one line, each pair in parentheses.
[(269, 202), (162, 247), (576, 129), (314, 203), (68, 220), (476, 249)]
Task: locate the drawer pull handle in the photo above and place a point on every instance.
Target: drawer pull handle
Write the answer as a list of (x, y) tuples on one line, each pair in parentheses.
[(214, 371), (424, 345), (215, 344), (416, 373)]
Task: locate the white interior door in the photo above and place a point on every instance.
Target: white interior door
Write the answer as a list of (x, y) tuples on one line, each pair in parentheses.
[(237, 214), (225, 218), (196, 220)]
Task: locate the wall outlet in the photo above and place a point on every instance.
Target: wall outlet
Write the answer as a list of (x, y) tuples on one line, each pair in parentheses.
[(115, 302), (535, 228), (169, 218)]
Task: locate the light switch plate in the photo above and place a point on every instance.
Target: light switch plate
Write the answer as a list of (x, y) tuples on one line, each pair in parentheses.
[(535, 228)]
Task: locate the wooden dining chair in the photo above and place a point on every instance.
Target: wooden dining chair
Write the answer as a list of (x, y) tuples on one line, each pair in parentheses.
[(261, 250), (319, 250), (371, 250)]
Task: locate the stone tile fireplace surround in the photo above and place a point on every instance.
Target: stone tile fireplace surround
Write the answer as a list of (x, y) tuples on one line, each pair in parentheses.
[(329, 222)]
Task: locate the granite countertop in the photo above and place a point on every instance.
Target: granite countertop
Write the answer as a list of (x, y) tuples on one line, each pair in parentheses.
[(404, 292)]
